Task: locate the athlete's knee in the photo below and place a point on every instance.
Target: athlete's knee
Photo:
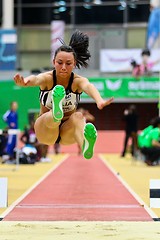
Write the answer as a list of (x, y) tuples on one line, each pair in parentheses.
[(77, 116), (45, 135)]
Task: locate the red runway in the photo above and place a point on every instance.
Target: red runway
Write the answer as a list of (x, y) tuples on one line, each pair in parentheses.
[(79, 190)]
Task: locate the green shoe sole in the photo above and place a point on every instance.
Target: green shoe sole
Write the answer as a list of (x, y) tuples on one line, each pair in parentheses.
[(58, 94), (90, 137)]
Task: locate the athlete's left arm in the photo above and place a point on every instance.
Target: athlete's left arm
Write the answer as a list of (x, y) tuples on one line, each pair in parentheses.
[(92, 91)]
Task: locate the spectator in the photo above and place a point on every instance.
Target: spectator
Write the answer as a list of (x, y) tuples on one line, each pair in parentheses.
[(29, 139), (11, 118), (144, 132), (145, 67), (3, 142), (135, 68), (150, 145), (130, 117)]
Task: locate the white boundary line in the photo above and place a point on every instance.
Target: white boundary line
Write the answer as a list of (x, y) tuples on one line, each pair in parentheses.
[(141, 202), (13, 205), (79, 206)]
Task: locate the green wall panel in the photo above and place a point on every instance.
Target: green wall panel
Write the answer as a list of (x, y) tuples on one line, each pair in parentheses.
[(27, 99)]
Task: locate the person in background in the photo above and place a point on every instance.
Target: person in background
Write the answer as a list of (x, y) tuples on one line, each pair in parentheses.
[(130, 117), (149, 144), (143, 133), (145, 67), (29, 139), (88, 117), (3, 142), (11, 119), (135, 68)]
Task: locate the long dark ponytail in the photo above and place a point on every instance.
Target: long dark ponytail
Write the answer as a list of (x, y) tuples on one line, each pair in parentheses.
[(78, 45)]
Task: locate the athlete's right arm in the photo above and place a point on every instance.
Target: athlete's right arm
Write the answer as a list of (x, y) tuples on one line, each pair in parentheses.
[(29, 81)]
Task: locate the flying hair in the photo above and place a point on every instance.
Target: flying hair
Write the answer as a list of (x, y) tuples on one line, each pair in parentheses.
[(78, 45)]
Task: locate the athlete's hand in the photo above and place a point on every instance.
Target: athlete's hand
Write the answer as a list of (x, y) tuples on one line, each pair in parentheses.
[(104, 103), (19, 80)]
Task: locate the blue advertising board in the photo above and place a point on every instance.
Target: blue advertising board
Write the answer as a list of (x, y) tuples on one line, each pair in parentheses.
[(8, 41), (153, 32)]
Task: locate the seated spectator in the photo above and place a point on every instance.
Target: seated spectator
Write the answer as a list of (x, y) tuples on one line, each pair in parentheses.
[(144, 132), (29, 138), (149, 144), (3, 142)]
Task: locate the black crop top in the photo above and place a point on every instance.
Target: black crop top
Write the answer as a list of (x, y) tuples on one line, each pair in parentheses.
[(71, 99)]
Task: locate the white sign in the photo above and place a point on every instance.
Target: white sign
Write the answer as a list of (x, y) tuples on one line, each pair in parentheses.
[(3, 192), (118, 60), (57, 33), (155, 193)]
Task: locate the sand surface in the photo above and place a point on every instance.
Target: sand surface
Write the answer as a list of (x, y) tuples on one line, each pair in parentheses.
[(79, 230)]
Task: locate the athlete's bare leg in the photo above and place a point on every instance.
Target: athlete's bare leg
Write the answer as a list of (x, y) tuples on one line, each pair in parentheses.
[(75, 129), (46, 129), (72, 130)]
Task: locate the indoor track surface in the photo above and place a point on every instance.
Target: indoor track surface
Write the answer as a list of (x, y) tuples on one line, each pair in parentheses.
[(73, 198)]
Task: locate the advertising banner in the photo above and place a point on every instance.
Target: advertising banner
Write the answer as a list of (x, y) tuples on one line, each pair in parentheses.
[(8, 41), (126, 87), (153, 33), (118, 60)]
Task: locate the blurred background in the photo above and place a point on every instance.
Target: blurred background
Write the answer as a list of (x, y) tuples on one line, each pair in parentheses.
[(118, 30)]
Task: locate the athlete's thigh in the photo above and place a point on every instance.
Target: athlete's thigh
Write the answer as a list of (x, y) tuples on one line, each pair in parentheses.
[(67, 132), (45, 134)]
